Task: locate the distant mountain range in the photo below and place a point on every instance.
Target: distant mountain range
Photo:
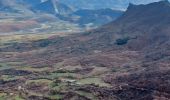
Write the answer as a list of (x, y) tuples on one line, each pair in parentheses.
[(63, 11), (49, 6), (83, 4), (86, 13), (97, 16), (96, 4), (53, 7)]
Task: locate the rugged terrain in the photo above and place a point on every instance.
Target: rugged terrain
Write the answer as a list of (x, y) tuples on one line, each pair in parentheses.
[(24, 16), (127, 59)]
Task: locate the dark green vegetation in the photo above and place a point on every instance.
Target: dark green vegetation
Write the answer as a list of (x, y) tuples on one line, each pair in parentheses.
[(101, 64), (122, 41)]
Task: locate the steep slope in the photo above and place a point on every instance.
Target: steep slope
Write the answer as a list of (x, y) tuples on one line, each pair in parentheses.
[(143, 24)]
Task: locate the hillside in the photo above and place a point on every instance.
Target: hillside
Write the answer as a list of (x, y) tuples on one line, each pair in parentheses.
[(127, 59)]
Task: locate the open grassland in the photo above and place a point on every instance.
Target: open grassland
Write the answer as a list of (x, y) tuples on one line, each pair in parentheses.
[(19, 38)]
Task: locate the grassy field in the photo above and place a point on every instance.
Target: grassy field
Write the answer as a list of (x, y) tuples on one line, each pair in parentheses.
[(93, 80)]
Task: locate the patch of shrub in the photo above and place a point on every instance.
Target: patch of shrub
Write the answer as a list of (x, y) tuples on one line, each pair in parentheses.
[(45, 43), (122, 41), (114, 70)]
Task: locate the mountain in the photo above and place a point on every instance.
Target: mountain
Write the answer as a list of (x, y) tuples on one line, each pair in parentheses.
[(143, 21), (97, 17), (15, 7), (52, 7), (48, 6), (92, 18), (29, 3), (145, 31), (95, 4), (140, 27), (36, 10), (8, 6)]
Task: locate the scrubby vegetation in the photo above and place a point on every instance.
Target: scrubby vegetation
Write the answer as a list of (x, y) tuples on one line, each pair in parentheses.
[(122, 41)]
